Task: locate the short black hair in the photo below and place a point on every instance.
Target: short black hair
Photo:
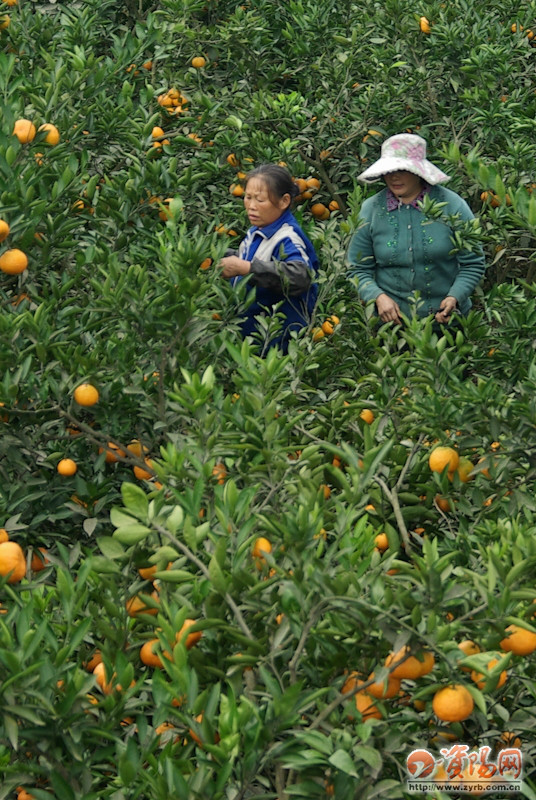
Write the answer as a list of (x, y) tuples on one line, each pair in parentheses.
[(278, 181)]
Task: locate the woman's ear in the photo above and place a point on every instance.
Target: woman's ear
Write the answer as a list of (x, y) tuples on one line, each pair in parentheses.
[(284, 201)]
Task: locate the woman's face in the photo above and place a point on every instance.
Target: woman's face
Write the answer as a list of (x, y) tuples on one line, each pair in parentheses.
[(260, 208), (404, 185)]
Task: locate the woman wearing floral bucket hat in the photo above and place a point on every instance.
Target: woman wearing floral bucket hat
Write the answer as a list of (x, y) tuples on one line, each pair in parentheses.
[(397, 251)]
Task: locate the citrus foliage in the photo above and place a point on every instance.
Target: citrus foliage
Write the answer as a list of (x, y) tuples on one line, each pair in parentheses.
[(161, 108)]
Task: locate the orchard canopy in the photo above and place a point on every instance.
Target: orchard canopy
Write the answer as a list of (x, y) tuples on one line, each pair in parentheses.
[(232, 576)]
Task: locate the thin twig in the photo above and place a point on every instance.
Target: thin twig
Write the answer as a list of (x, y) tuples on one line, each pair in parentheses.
[(392, 496)]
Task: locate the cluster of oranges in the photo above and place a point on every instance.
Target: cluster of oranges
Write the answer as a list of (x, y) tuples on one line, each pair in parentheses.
[(13, 559), (173, 101), (515, 28), (326, 329), (451, 703), (447, 458), (15, 261), (5, 20)]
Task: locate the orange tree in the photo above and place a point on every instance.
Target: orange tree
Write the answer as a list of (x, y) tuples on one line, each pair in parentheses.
[(161, 108)]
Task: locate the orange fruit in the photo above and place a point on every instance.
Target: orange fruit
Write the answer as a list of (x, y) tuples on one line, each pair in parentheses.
[(236, 189), (4, 230), (320, 211), (381, 542), (510, 739), (198, 62), (191, 638), (4, 535), (12, 561), (312, 183), (24, 130), (137, 448), (13, 261), (261, 546), (22, 794), (67, 467), (220, 473), (465, 469), (318, 334), (301, 183), (443, 502), (327, 327), (519, 641), (147, 65), (424, 25), (442, 457), (142, 474), (39, 560), (412, 667), (112, 452), (95, 659), (232, 160), (206, 263), (379, 690), (326, 489), (52, 133), (468, 648), (149, 657), (453, 703), (365, 705), (480, 679), (136, 606), (157, 131), (5, 22), (333, 206), (367, 416), (334, 319), (86, 394), (100, 676)]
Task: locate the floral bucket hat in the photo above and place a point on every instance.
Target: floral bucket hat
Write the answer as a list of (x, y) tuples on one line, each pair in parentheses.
[(405, 151)]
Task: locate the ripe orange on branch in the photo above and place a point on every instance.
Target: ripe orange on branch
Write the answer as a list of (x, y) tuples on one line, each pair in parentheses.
[(198, 62), (320, 211), (367, 416), (412, 667), (67, 467), (86, 394), (480, 679), (453, 703), (24, 130), (13, 262), (12, 561), (424, 25), (442, 457), (519, 641), (191, 638), (52, 133), (4, 230)]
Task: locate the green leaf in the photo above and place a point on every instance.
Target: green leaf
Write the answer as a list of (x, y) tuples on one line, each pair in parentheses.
[(217, 577), (175, 520), (110, 547), (341, 760), (135, 500), (132, 534), (12, 730)]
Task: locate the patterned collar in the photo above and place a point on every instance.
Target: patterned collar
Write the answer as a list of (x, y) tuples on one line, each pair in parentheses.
[(392, 200)]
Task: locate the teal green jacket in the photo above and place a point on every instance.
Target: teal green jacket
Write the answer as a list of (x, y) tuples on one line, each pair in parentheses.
[(400, 252)]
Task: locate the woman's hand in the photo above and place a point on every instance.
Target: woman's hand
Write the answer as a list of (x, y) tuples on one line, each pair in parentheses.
[(446, 307), (388, 310), (232, 266)]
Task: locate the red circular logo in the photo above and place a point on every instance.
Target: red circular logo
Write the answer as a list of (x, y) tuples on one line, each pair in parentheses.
[(420, 763)]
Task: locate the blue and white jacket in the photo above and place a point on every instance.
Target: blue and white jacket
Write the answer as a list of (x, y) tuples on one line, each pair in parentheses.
[(284, 266)]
